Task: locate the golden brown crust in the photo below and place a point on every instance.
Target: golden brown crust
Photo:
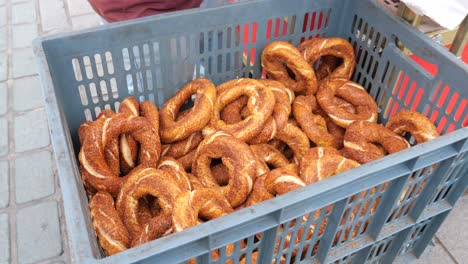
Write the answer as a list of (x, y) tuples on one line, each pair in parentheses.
[(130, 106), (313, 125), (366, 108), (236, 111), (112, 156), (360, 137), (172, 130), (297, 140), (195, 183), (187, 160), (268, 155), (315, 170), (327, 65), (128, 153), (183, 147), (278, 144), (231, 114), (111, 152), (145, 209), (335, 130), (236, 155), (313, 49), (281, 111), (149, 111), (341, 103), (282, 180), (83, 131), (188, 206), (104, 130), (220, 174), (259, 192), (157, 227), (177, 171), (90, 190), (142, 182), (293, 168), (318, 153), (111, 231), (273, 183), (127, 144), (415, 123), (280, 53), (260, 104)]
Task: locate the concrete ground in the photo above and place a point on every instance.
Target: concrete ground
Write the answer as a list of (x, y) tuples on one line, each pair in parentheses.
[(32, 227)]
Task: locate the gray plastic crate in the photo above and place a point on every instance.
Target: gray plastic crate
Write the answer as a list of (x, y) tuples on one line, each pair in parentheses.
[(83, 73)]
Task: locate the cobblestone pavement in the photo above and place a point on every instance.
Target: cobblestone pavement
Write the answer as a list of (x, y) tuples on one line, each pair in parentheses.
[(32, 227)]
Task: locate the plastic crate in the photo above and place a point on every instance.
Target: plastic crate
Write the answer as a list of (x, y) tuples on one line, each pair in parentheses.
[(83, 73)]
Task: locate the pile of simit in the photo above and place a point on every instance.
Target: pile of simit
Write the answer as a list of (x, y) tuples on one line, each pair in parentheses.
[(150, 173)]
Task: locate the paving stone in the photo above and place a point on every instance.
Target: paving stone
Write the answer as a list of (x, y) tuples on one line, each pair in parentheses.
[(31, 131), (86, 21), (53, 15), (4, 192), (4, 136), (434, 255), (23, 35), (2, 15), (3, 38), (27, 93), (451, 235), (4, 239), (79, 7), (3, 66), (23, 13), (38, 230), (24, 63), (3, 98), (34, 170)]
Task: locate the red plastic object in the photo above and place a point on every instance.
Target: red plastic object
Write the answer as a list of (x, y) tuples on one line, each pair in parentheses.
[(433, 68)]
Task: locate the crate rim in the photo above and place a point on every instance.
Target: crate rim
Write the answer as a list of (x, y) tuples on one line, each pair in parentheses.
[(37, 42), (269, 206), (66, 160)]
